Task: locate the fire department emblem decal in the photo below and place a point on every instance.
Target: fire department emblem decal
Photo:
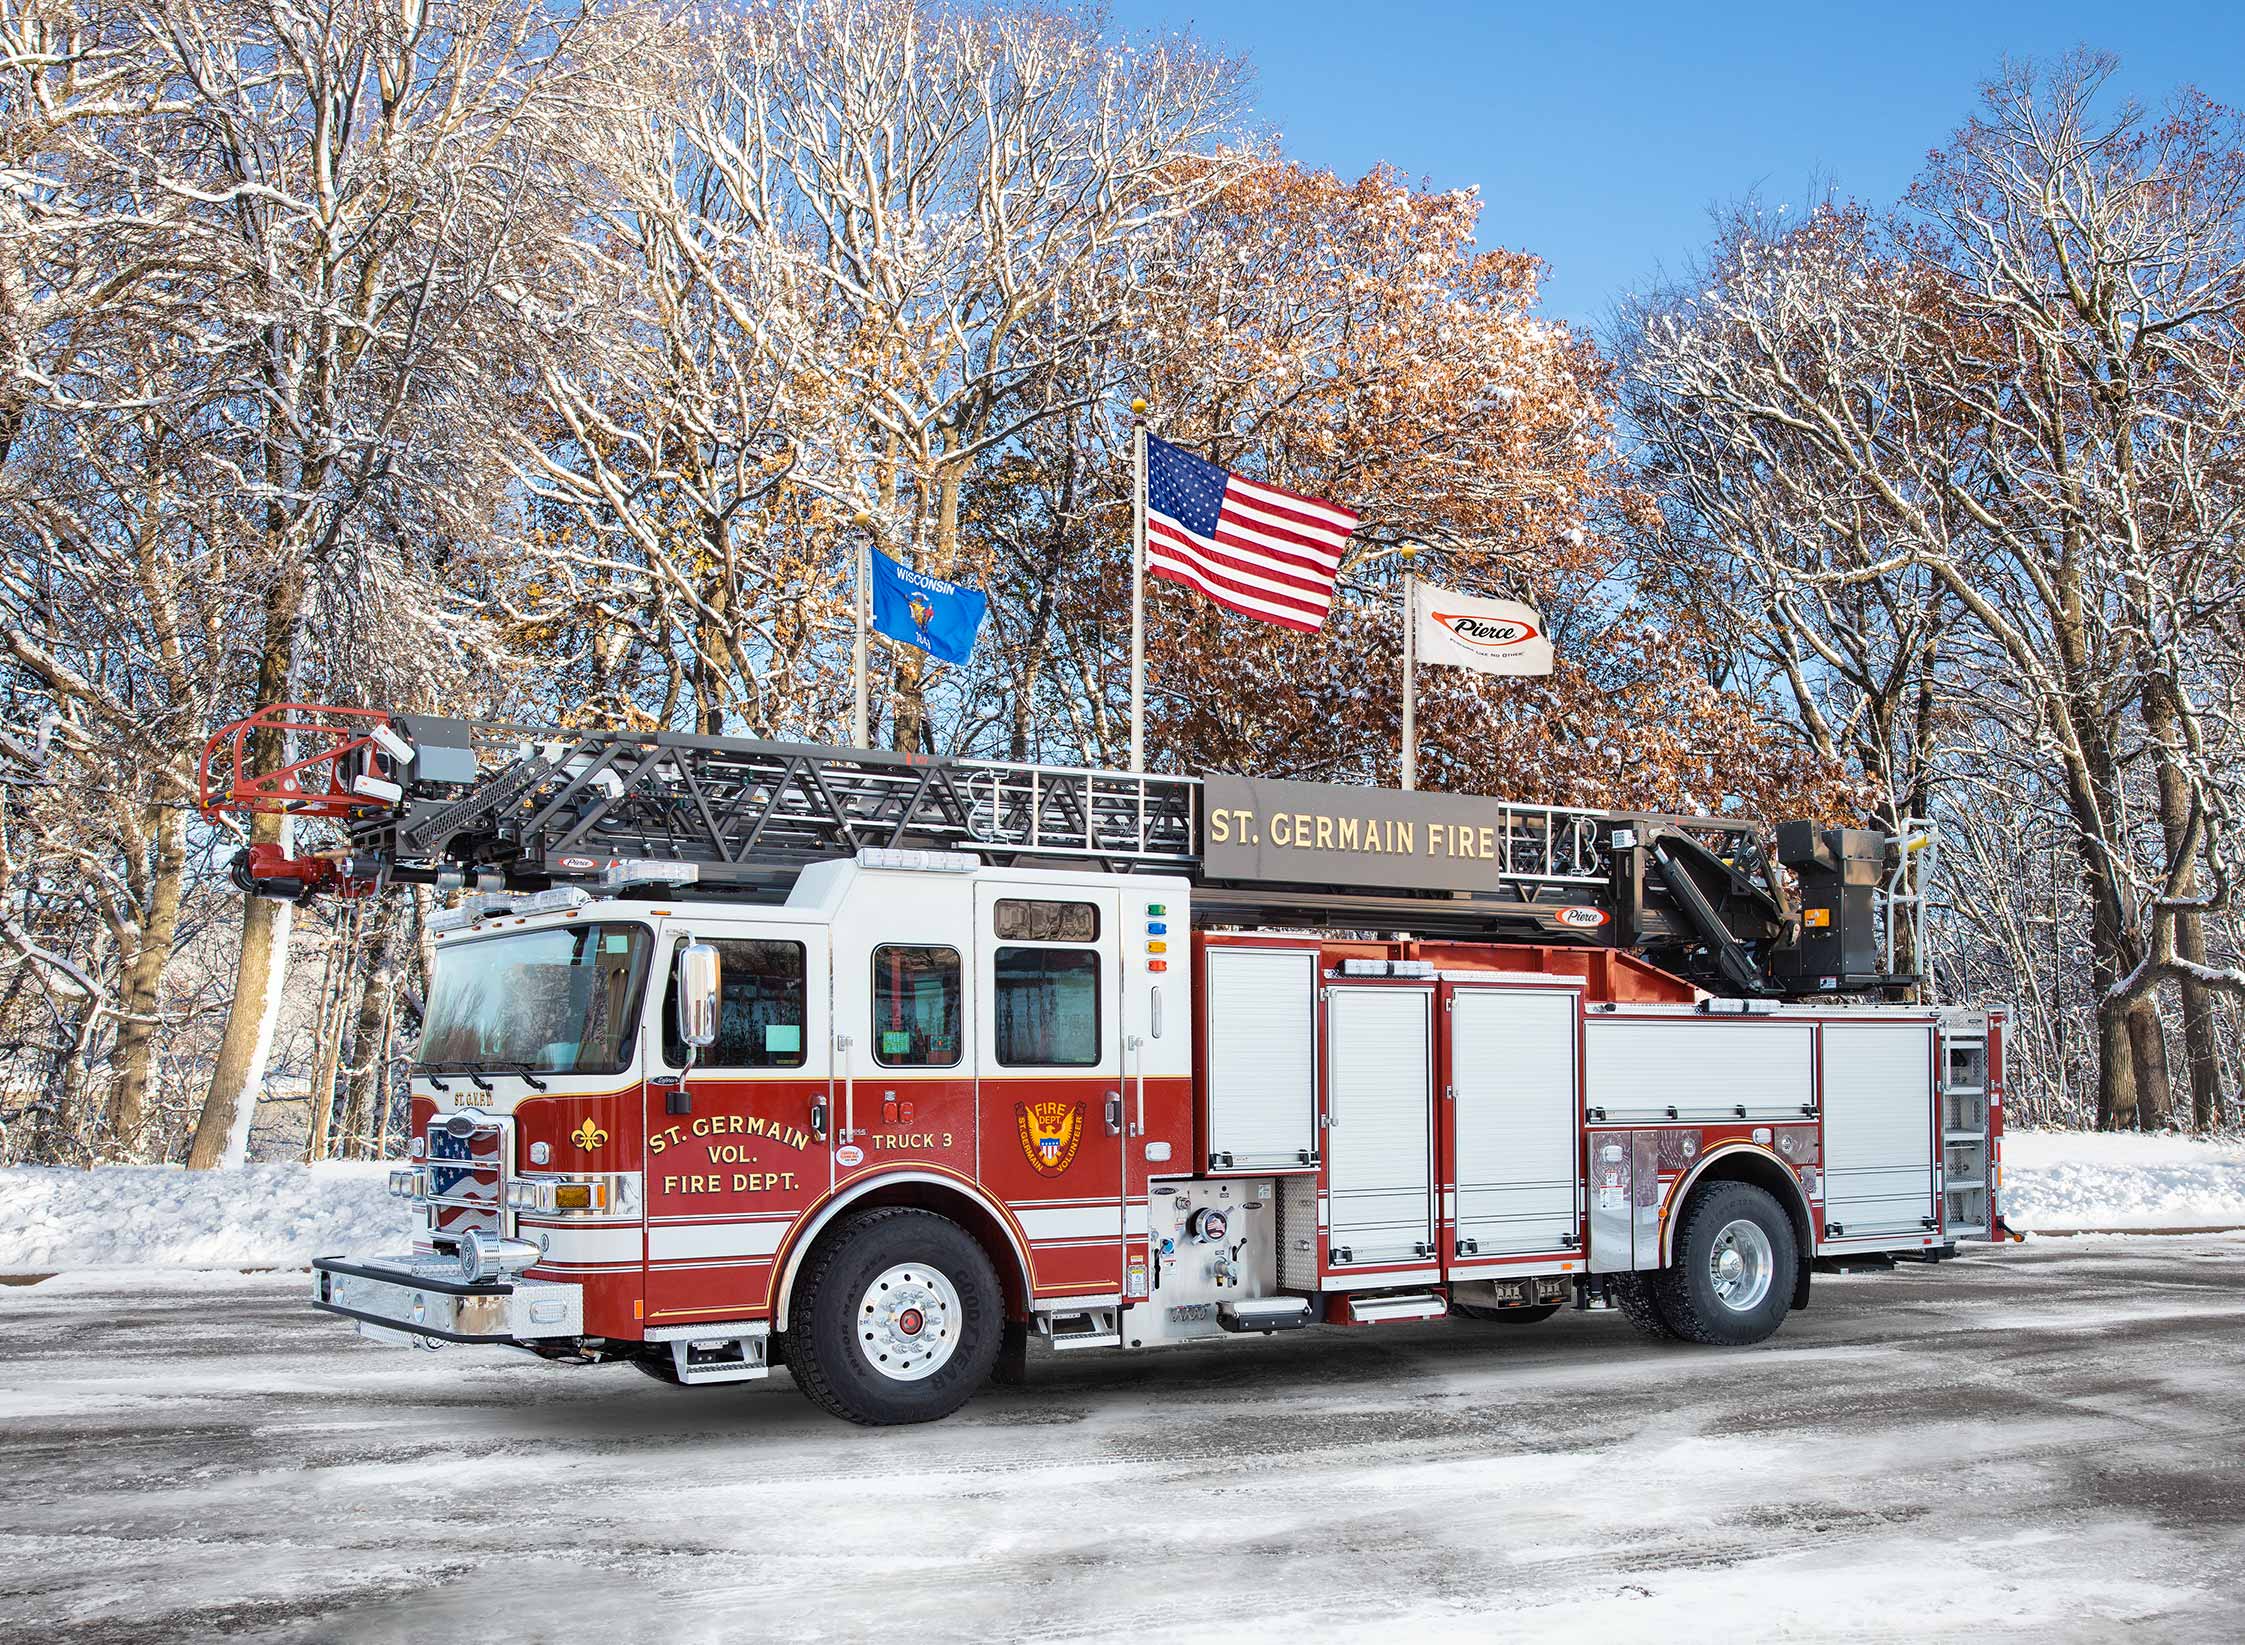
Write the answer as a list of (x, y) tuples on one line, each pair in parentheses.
[(1051, 1132), (588, 1136)]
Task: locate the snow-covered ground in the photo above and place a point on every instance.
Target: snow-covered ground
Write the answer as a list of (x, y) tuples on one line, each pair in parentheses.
[(281, 1216), (140, 1216), (2032, 1444), (2077, 1179)]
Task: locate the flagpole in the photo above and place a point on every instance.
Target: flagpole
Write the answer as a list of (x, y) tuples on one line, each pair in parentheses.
[(859, 730), (1138, 585), (1410, 667)]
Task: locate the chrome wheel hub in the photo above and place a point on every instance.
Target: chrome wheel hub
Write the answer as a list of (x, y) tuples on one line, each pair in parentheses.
[(908, 1322), (1742, 1266)]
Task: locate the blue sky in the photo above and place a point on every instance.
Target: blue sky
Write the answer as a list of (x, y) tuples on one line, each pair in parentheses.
[(1599, 137)]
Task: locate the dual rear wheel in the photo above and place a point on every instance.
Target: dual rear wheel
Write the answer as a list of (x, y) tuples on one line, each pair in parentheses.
[(1731, 1282)]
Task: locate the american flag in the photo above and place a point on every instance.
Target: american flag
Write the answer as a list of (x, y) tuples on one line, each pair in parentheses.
[(1251, 548)]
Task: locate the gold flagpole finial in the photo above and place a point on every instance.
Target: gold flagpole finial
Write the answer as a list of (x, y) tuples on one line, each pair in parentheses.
[(1138, 408)]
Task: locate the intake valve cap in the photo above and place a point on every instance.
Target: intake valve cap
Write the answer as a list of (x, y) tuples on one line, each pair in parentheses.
[(1208, 1225), (488, 1257)]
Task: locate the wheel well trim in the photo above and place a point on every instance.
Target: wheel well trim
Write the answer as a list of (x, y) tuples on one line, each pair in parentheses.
[(1797, 1210), (806, 1234)]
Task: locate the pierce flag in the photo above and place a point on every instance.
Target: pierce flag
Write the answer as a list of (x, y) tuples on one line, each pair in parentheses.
[(1492, 636), (939, 617)]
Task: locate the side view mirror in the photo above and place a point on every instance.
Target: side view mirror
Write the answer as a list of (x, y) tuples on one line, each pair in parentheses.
[(697, 995)]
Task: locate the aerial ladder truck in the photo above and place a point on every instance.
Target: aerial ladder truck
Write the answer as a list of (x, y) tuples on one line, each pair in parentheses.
[(739, 1053)]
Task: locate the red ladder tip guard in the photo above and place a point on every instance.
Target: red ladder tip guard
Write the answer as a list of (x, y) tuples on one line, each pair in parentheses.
[(317, 783)]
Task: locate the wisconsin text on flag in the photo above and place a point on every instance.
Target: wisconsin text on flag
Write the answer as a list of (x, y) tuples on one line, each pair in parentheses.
[(1253, 548)]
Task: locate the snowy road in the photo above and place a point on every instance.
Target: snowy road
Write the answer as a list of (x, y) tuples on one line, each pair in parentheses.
[(2047, 1443)]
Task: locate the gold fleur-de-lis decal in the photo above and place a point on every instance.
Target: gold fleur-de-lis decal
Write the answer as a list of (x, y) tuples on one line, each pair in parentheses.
[(588, 1135)]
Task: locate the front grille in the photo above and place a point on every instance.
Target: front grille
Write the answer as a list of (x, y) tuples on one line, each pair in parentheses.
[(467, 1177)]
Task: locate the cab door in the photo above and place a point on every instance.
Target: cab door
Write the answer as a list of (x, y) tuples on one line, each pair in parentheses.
[(1049, 1073), (734, 1153)]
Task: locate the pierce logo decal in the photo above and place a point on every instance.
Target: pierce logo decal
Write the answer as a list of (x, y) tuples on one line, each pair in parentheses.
[(1582, 917), (1492, 635), (1051, 1132)]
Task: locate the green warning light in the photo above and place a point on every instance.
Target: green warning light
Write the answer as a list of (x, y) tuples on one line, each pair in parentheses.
[(1155, 910)]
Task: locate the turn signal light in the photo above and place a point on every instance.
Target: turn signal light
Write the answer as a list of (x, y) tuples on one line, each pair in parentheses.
[(542, 1194)]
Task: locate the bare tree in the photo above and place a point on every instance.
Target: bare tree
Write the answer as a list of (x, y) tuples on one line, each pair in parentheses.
[(2027, 388)]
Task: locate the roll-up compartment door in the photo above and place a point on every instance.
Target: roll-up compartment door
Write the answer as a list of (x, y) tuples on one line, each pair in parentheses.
[(1512, 1106), (1379, 1094), (1878, 1129), (1638, 1069), (1262, 1058)]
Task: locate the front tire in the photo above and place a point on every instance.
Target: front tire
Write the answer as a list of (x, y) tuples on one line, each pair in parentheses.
[(902, 1319), (1732, 1281)]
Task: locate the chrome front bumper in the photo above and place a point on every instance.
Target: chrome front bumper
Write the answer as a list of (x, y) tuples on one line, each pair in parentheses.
[(395, 1299)]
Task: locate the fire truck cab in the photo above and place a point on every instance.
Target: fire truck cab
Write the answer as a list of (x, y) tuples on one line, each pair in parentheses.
[(924, 1108)]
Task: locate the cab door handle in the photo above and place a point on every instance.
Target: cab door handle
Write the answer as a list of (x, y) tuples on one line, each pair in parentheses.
[(1114, 1113)]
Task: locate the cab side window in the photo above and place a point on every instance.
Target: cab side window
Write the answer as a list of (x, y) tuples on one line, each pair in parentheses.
[(1047, 1007), (761, 1007), (915, 1006)]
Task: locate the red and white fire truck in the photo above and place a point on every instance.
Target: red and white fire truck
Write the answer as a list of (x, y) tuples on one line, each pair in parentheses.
[(741, 1053)]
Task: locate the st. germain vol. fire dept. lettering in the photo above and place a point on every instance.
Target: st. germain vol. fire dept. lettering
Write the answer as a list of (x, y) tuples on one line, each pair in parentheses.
[(717, 1125), (741, 1182)]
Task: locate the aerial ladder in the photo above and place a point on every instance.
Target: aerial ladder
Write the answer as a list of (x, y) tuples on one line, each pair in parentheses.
[(491, 807)]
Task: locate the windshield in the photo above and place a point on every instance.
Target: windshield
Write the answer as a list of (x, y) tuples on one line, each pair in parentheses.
[(559, 1001)]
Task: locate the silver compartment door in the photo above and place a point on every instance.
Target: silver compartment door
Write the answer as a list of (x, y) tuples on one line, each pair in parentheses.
[(1878, 1128), (1262, 1057), (1379, 1142), (1649, 1070), (1512, 1092)]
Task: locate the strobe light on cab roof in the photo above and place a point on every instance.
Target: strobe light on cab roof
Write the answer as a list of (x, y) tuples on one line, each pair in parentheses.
[(555, 900), (912, 858)]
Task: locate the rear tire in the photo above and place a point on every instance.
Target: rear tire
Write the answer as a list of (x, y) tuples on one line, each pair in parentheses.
[(1506, 1316), (1736, 1258), (1633, 1295), (901, 1318)]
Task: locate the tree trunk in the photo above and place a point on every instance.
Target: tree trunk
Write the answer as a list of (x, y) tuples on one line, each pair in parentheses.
[(368, 1073), (2147, 1043), (2116, 1077), (2201, 1039), (327, 1050), (142, 995), (222, 1132), (379, 1148), (2202, 1042)]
